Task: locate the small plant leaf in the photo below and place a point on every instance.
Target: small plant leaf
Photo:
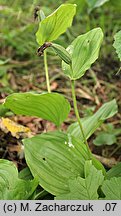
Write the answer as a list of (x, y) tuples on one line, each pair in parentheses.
[(95, 3), (104, 139), (56, 23), (114, 171), (84, 188), (117, 43), (84, 50), (49, 106), (11, 187), (90, 124), (112, 189), (55, 158)]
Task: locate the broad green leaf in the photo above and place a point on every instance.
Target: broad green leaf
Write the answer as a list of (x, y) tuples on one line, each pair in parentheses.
[(56, 23), (117, 43), (55, 158), (112, 189), (114, 171), (95, 3), (84, 188), (84, 50), (49, 106), (11, 187), (104, 139), (90, 124)]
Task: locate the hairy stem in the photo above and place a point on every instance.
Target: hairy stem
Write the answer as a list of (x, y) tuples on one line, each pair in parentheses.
[(46, 71), (77, 115)]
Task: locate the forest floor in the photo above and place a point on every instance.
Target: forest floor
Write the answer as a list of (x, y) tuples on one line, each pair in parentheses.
[(92, 91)]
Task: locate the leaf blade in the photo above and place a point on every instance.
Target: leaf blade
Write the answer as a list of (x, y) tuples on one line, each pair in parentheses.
[(49, 106), (84, 51), (117, 43), (104, 138), (112, 189), (55, 157), (115, 171), (54, 25), (11, 187), (90, 124), (84, 188)]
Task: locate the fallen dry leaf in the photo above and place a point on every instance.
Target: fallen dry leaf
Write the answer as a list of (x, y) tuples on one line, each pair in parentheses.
[(15, 129)]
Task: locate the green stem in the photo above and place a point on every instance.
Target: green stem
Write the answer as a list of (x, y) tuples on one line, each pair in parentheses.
[(46, 71), (77, 115), (41, 195), (118, 71)]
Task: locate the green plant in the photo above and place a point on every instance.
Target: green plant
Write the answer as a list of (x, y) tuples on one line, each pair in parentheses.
[(12, 187), (95, 3), (51, 27), (61, 162), (117, 46), (108, 136)]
